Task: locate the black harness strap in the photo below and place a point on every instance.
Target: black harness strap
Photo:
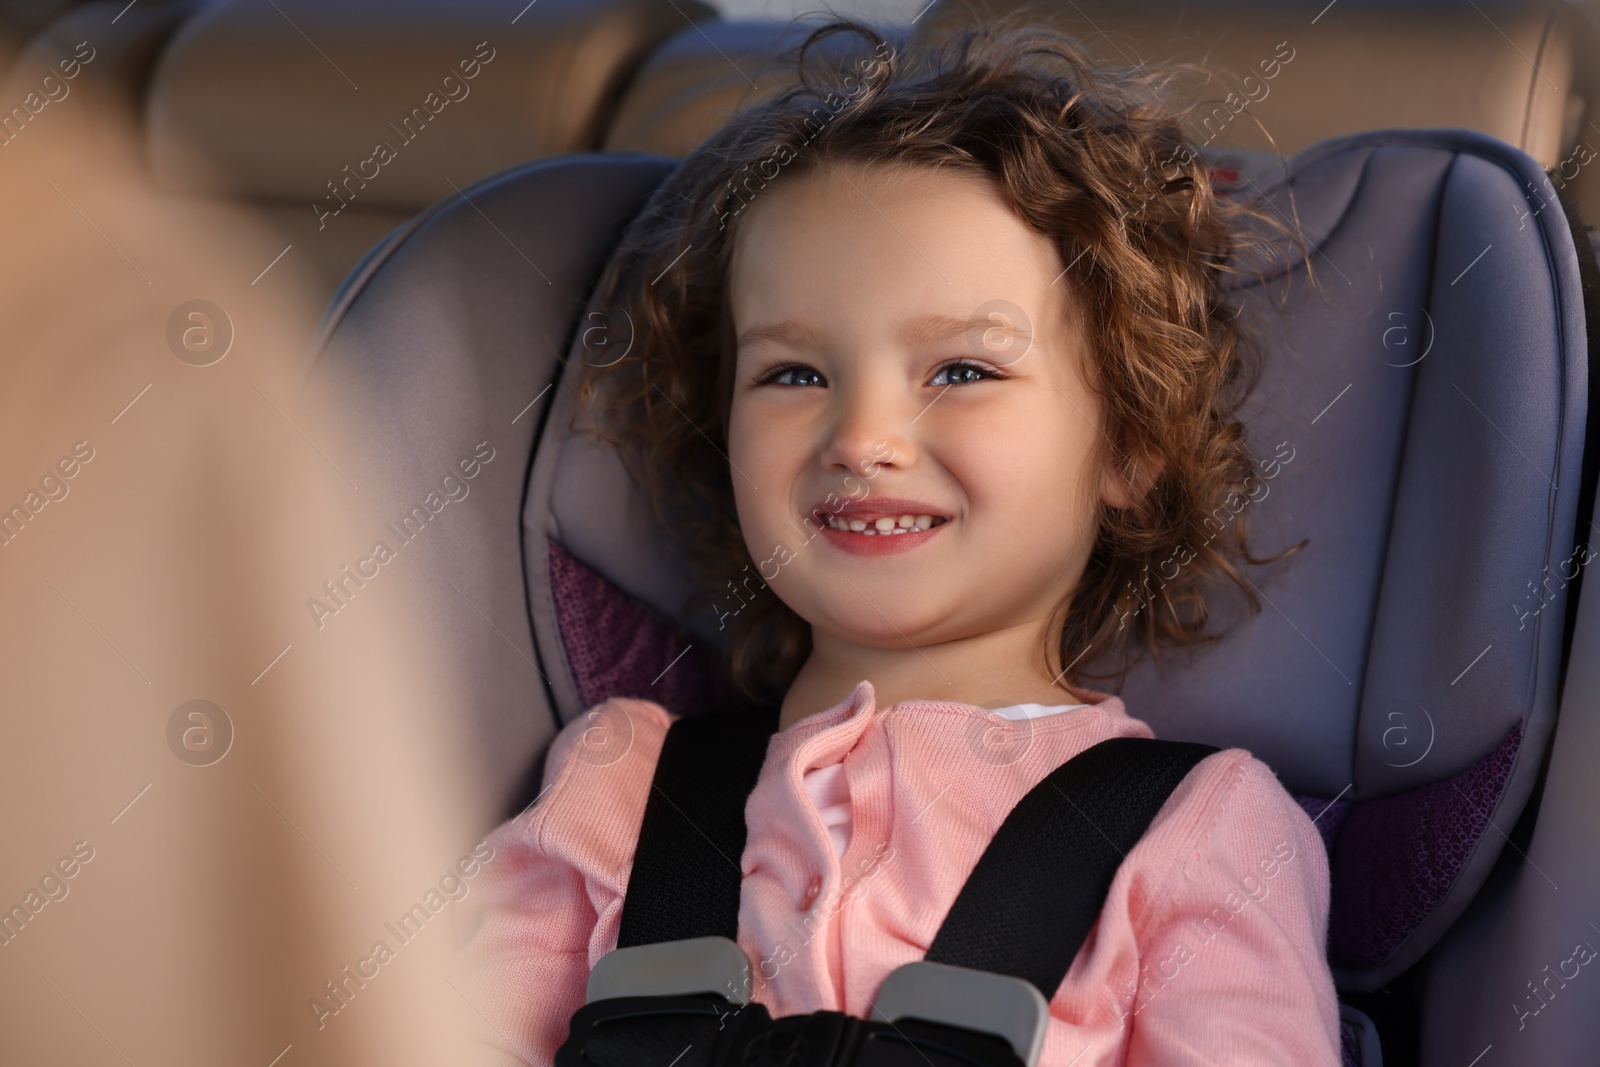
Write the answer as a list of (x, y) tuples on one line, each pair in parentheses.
[(686, 874), (1029, 904)]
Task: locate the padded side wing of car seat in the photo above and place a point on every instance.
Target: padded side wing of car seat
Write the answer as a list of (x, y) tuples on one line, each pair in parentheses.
[(1432, 400), (448, 336), (612, 603), (1510, 974)]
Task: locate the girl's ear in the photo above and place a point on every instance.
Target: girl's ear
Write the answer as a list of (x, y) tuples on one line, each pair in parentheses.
[(1127, 477)]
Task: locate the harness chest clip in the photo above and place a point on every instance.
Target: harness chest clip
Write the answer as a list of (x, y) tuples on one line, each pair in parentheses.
[(688, 1003)]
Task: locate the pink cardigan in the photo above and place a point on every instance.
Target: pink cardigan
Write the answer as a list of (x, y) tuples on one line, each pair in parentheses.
[(1208, 950)]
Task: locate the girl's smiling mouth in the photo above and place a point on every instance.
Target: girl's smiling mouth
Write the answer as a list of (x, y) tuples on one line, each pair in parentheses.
[(876, 527)]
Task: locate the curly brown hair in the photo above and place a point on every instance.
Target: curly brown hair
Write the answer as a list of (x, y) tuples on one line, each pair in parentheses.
[(1093, 158)]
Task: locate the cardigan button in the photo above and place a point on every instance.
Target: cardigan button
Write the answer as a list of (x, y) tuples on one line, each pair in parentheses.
[(813, 888)]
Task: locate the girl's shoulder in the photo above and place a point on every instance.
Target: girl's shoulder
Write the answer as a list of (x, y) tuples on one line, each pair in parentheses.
[(1233, 819), (618, 731), (596, 781)]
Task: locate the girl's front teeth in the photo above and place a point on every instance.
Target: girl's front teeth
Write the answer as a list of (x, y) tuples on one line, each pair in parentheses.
[(885, 525)]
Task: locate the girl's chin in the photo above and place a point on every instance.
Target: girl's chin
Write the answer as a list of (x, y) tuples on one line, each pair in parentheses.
[(870, 619)]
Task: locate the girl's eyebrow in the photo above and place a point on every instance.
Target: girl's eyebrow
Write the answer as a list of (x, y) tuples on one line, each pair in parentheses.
[(788, 332), (934, 329), (923, 330)]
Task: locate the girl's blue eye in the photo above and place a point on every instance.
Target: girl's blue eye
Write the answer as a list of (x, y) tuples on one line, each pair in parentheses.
[(805, 375), (963, 372)]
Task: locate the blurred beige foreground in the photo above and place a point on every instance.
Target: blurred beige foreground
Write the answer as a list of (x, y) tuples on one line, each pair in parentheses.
[(164, 526)]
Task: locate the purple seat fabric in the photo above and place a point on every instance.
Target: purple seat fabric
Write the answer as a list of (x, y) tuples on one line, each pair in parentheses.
[(618, 647), (1393, 859), (1397, 857)]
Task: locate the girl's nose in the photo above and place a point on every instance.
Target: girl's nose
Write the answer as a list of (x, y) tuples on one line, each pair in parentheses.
[(869, 427)]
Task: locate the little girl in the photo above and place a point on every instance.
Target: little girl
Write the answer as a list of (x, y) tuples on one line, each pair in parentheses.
[(948, 362)]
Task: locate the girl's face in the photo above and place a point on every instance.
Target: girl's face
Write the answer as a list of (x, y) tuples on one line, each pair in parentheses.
[(864, 390)]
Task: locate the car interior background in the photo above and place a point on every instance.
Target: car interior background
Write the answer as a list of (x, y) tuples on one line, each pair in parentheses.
[(429, 192)]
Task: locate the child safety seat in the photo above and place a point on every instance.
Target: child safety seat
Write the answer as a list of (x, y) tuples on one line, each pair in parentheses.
[(1426, 410)]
